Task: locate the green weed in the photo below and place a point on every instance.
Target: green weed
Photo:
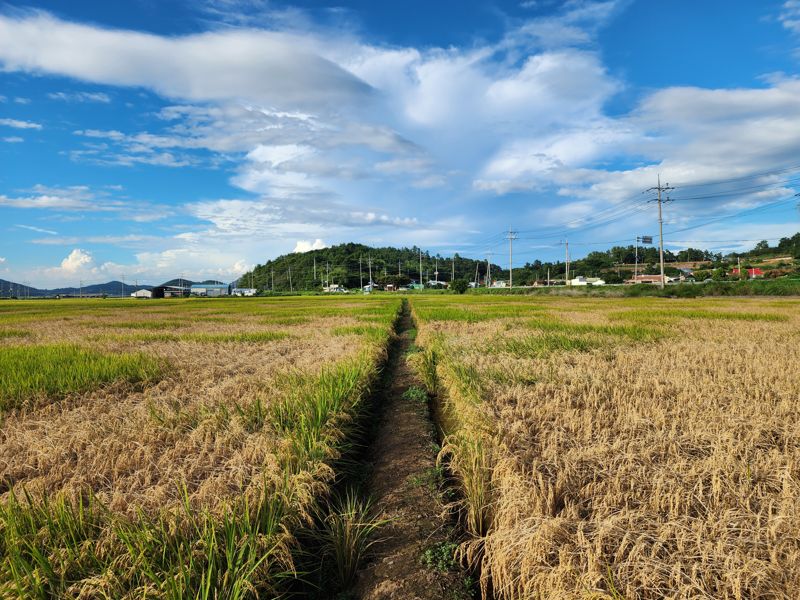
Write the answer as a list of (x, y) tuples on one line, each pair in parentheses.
[(31, 371)]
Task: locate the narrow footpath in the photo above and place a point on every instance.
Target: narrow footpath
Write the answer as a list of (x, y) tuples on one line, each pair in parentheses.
[(412, 562)]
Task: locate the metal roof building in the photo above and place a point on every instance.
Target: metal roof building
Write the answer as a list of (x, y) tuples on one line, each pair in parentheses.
[(211, 290)]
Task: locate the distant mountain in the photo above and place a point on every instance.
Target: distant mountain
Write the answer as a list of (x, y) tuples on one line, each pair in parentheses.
[(111, 288)]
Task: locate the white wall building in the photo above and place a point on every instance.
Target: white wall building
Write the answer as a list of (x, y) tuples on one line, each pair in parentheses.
[(142, 294)]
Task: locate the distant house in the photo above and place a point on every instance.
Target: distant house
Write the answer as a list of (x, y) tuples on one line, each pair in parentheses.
[(142, 294), (751, 273), (437, 284), (654, 279), (334, 289), (581, 280), (210, 290), (499, 283), (244, 291)]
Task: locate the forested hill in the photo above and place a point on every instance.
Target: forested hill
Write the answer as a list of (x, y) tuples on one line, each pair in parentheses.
[(340, 265)]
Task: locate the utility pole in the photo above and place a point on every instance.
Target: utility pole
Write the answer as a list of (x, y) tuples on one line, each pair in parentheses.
[(272, 273), (328, 275), (453, 277), (566, 262), (476, 273), (360, 274), (291, 289), (315, 268), (548, 276), (369, 264), (122, 288), (80, 289), (436, 271), (398, 268), (420, 268), (489, 269), (661, 188), (512, 235)]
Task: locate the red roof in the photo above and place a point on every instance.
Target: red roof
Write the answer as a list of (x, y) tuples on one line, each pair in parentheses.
[(752, 272)]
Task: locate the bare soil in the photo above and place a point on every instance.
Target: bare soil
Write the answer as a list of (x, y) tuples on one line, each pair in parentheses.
[(405, 485)]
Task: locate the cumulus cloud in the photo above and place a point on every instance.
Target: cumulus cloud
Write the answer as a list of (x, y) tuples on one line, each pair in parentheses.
[(77, 259), (306, 246), (17, 124)]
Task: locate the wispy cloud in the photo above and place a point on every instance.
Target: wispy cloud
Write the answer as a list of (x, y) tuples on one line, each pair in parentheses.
[(17, 124), (84, 199), (80, 97), (790, 15), (37, 229), (14, 139)]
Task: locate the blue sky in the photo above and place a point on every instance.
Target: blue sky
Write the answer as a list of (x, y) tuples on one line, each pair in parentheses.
[(153, 139)]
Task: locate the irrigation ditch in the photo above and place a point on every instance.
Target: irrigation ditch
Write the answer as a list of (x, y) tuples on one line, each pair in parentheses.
[(387, 531)]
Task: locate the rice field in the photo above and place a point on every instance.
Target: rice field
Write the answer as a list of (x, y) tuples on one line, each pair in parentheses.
[(621, 448), (603, 448), (175, 448)]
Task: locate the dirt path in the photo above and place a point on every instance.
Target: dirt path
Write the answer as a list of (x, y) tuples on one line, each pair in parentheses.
[(405, 486)]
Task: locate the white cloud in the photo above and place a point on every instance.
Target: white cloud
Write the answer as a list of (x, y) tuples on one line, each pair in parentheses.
[(14, 139), (790, 15), (81, 198), (17, 124), (80, 97), (2, 259), (279, 69), (77, 260), (20, 100), (305, 245)]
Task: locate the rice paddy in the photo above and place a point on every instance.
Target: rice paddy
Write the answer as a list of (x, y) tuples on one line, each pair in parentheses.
[(175, 449), (612, 448)]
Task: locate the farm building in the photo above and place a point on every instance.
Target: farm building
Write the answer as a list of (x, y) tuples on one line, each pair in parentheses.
[(169, 291), (142, 294), (244, 291), (581, 280), (210, 290)]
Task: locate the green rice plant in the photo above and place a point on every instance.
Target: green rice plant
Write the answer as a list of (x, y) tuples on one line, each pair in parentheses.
[(348, 530), (60, 548), (540, 346), (245, 337), (636, 333), (372, 332), (53, 371), (167, 324), (286, 320), (12, 333), (468, 457), (662, 315)]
